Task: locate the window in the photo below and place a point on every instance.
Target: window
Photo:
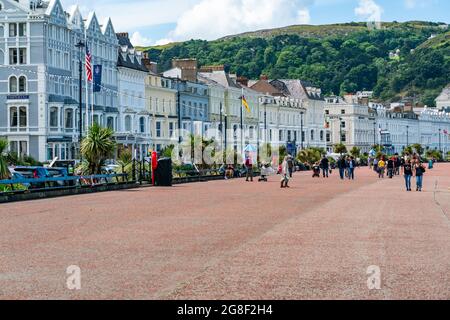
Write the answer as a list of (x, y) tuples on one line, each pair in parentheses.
[(19, 147), (312, 135), (22, 56), (13, 30), (13, 117), (321, 135), (128, 123), (68, 118), (343, 137), (110, 123), (343, 124), (342, 111), (142, 125), (54, 117), (13, 56), (22, 84), (13, 84), (22, 29), (158, 129), (170, 129), (18, 117)]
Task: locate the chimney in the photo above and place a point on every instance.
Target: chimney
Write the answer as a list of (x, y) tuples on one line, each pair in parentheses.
[(188, 68), (123, 34), (212, 68), (264, 77), (242, 81)]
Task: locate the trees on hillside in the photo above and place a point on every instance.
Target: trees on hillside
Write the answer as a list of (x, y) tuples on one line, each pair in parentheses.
[(338, 63)]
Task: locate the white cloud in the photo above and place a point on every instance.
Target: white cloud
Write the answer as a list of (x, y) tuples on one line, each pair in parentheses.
[(138, 40), (413, 4), (162, 42), (212, 19), (132, 15), (371, 11)]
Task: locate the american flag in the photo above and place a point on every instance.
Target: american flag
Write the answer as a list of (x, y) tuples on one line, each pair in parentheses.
[(88, 65)]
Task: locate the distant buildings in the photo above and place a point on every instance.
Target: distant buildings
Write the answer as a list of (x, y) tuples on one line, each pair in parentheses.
[(39, 97), (443, 100)]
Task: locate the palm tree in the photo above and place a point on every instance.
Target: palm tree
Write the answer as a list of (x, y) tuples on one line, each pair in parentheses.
[(97, 147), (340, 148), (4, 171), (355, 152), (310, 155)]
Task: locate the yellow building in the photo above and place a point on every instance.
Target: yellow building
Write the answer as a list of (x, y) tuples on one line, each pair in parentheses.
[(161, 103)]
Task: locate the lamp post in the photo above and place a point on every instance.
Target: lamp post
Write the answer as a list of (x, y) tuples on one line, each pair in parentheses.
[(440, 149), (80, 45), (374, 133), (265, 121), (301, 129), (407, 136)]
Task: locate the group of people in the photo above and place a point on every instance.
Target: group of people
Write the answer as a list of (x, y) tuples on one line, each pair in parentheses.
[(396, 165), (346, 166)]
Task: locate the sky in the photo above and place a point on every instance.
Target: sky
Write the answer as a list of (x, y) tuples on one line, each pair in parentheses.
[(153, 22)]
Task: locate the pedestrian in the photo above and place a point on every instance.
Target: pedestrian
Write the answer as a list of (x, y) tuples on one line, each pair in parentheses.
[(381, 168), (341, 164), (420, 170), (290, 162), (325, 164), (351, 168), (390, 167), (398, 164), (408, 172), (285, 173), (249, 168)]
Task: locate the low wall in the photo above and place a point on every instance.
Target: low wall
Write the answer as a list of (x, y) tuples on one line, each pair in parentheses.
[(34, 195)]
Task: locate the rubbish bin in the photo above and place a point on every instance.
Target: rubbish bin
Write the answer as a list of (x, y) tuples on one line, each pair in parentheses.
[(163, 173)]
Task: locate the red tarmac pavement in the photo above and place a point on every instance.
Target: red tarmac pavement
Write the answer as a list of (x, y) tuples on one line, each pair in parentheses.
[(234, 240)]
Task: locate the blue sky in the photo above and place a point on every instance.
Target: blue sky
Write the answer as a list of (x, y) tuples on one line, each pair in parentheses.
[(160, 21)]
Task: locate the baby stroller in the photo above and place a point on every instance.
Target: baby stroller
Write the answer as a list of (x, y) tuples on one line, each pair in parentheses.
[(316, 171), (266, 171)]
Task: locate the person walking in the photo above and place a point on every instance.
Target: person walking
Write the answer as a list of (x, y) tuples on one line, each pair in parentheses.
[(408, 173), (290, 161), (390, 167), (285, 173), (342, 165), (351, 168), (381, 168), (249, 168), (398, 164), (325, 164), (420, 170)]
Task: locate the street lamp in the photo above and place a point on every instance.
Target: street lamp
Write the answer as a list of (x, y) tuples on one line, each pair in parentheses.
[(374, 133), (407, 136), (440, 149), (80, 45), (301, 129)]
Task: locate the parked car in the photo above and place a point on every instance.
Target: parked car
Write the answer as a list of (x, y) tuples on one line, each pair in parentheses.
[(18, 176), (34, 173), (60, 173)]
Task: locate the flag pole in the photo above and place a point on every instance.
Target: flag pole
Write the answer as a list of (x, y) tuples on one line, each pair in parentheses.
[(242, 122), (86, 83)]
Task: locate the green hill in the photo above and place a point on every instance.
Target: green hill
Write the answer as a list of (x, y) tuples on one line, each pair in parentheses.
[(339, 58)]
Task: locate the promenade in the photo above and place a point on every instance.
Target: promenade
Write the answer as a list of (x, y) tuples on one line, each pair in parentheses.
[(234, 240)]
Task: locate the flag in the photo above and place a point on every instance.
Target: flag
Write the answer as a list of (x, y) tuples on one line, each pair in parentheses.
[(245, 104), (445, 132), (88, 64), (97, 78)]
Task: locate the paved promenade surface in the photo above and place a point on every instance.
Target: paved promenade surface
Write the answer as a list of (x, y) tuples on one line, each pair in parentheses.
[(234, 240)]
